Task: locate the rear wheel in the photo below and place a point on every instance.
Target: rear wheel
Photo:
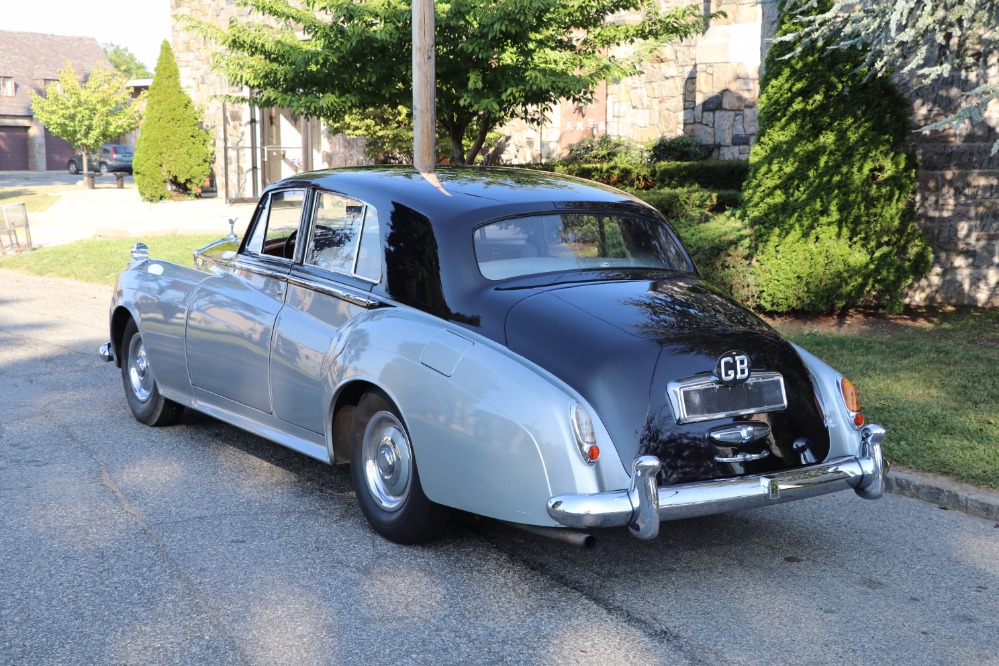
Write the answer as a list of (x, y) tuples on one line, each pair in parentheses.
[(386, 478), (104, 169), (141, 391)]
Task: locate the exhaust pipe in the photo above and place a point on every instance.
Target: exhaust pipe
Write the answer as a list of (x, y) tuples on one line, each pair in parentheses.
[(563, 534)]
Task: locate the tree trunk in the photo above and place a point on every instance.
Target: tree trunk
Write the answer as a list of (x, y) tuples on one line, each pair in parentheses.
[(456, 132), (485, 124)]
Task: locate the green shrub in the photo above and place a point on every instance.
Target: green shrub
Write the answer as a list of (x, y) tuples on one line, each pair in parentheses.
[(710, 174), (682, 148), (830, 193), (606, 148), (172, 150), (682, 202), (720, 247)]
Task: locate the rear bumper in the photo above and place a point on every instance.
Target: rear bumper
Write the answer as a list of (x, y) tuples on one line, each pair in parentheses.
[(644, 505)]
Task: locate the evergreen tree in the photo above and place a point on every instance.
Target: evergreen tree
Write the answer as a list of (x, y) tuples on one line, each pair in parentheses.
[(830, 193), (172, 148)]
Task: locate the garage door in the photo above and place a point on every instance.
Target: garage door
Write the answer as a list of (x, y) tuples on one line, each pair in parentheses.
[(13, 148), (57, 152)]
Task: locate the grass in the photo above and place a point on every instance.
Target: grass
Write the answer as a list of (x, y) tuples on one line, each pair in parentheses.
[(36, 198), (933, 386), (100, 260)]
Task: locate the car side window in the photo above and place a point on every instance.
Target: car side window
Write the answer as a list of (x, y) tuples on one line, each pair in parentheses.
[(345, 237), (276, 230)]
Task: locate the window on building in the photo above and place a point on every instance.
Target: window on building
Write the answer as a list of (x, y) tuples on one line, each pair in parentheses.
[(48, 82), (6, 86)]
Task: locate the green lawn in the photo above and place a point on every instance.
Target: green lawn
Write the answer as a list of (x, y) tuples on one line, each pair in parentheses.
[(36, 198), (101, 260), (934, 387)]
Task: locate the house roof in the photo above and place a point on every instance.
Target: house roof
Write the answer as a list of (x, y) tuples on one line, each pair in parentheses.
[(31, 57)]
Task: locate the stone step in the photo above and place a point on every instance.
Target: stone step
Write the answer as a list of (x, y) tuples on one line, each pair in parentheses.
[(970, 186)]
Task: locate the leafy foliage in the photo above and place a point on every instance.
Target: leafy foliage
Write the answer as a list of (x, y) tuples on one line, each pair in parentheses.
[(679, 149), (125, 62), (926, 40), (678, 203), (494, 60), (711, 174), (830, 193), (605, 148), (88, 114), (172, 148)]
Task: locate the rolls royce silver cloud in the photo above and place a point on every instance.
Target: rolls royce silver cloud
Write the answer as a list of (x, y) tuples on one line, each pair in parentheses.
[(523, 346)]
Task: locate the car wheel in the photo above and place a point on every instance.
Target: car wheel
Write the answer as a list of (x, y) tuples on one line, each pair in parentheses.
[(141, 391), (104, 169), (73, 169), (386, 478)]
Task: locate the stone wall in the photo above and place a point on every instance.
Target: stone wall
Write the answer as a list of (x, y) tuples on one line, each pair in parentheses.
[(958, 200), (705, 87)]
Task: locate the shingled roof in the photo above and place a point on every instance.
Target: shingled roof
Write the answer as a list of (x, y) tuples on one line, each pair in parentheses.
[(31, 57)]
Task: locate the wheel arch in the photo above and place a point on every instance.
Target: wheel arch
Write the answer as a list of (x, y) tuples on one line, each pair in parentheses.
[(119, 320), (342, 413)]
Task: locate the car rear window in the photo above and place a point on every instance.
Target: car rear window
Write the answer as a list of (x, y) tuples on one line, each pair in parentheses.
[(575, 241)]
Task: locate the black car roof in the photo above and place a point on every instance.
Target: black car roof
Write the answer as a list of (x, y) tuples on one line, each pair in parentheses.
[(463, 190)]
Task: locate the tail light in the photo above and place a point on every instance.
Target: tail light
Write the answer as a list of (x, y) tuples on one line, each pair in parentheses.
[(852, 401)]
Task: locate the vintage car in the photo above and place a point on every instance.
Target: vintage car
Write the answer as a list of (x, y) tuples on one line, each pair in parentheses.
[(520, 345)]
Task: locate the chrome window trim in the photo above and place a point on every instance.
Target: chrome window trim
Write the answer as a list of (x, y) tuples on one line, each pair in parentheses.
[(313, 208), (253, 267), (675, 389), (336, 292)]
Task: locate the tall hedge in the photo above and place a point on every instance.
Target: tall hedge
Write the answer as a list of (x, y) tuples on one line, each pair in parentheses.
[(831, 187), (173, 150)]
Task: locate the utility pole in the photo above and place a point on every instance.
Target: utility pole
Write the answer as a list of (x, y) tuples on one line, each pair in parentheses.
[(424, 84)]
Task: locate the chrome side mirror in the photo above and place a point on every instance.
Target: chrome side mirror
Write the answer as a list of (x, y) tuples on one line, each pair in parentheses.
[(140, 252)]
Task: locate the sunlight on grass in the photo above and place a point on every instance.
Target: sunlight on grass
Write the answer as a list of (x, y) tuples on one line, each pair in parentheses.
[(100, 260), (35, 198), (933, 389)]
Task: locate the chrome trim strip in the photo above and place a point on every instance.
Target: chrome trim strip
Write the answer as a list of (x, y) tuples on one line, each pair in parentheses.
[(335, 292), (675, 389), (637, 507), (260, 270), (742, 457)]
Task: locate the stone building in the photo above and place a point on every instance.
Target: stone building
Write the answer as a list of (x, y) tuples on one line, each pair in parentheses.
[(705, 87)]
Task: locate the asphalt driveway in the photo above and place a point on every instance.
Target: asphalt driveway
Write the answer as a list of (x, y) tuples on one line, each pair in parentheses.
[(199, 543)]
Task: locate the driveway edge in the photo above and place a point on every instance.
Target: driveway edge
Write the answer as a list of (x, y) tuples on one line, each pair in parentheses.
[(944, 493)]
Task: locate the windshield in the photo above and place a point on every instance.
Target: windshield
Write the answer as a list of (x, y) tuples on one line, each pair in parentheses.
[(575, 241)]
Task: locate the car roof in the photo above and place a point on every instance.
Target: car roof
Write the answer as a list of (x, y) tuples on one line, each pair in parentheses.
[(469, 193)]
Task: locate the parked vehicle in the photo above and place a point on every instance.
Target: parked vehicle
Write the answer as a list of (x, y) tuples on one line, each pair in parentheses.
[(109, 159), (520, 345)]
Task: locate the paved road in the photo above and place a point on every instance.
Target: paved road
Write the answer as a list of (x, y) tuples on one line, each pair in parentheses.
[(202, 544)]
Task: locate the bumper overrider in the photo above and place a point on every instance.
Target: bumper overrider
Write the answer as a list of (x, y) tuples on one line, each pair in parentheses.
[(644, 504)]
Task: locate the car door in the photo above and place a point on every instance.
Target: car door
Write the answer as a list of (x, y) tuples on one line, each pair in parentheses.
[(230, 322), (342, 260)]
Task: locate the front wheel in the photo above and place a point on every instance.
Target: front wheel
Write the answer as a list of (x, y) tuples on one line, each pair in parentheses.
[(73, 169), (141, 391), (386, 478)]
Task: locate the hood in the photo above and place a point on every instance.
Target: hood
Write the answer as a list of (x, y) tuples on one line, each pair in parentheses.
[(620, 343)]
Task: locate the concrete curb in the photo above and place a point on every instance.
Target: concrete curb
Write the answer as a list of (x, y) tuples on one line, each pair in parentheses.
[(944, 493)]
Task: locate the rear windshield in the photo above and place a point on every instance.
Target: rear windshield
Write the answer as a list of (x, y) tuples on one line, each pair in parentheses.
[(575, 241)]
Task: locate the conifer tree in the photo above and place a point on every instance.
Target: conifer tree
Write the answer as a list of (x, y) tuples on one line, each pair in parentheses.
[(830, 196), (173, 149)]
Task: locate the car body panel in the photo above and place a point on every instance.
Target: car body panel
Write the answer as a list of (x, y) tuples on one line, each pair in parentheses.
[(487, 375)]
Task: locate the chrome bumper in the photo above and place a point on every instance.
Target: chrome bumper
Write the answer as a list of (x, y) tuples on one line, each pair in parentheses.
[(644, 505), (106, 352)]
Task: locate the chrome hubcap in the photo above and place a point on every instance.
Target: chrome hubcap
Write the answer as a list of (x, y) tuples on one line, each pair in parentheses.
[(388, 461), (140, 376)]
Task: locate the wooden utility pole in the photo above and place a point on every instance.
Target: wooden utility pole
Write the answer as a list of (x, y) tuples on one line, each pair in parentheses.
[(424, 84)]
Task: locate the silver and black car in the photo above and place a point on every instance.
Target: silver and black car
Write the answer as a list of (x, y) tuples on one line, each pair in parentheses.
[(519, 345)]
